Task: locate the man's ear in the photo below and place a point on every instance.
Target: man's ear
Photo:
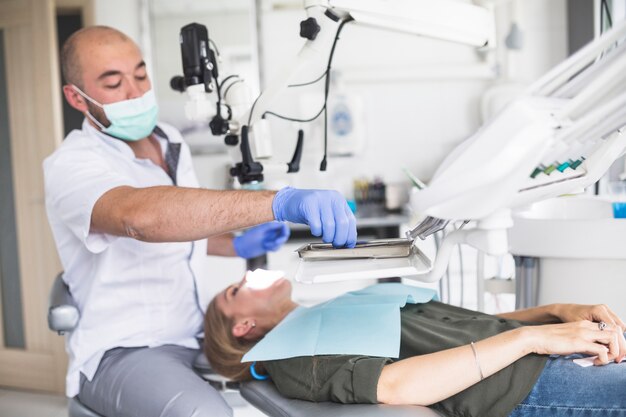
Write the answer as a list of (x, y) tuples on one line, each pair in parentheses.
[(243, 328), (74, 99)]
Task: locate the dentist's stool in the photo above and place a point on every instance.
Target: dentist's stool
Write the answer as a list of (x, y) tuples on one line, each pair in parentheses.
[(63, 317)]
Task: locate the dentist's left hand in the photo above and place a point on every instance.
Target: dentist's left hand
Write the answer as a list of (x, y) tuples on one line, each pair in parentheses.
[(261, 239)]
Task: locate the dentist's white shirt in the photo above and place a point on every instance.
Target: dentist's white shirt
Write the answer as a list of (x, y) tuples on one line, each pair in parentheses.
[(129, 293)]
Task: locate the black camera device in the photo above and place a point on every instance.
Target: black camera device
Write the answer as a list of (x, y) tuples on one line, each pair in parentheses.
[(199, 64)]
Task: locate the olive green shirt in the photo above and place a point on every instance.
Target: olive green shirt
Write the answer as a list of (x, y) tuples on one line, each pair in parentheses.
[(426, 328)]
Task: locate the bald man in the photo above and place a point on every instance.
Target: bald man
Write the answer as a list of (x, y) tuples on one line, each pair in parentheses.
[(130, 224)]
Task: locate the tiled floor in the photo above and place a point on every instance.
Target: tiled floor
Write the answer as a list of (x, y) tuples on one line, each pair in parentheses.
[(28, 404)]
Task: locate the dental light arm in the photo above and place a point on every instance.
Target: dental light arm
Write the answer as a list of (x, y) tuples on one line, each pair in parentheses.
[(442, 19), (448, 20)]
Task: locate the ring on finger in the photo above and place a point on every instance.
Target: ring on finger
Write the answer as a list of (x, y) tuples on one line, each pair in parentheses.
[(602, 325)]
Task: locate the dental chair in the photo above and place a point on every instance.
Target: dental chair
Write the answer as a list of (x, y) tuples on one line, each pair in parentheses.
[(63, 316)]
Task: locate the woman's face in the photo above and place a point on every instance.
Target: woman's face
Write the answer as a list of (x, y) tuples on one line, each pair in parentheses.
[(240, 302)]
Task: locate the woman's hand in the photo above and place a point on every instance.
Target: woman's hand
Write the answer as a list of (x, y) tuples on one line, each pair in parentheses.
[(578, 337), (599, 312), (595, 313)]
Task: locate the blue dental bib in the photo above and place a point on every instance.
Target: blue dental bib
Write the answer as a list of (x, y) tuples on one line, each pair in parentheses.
[(364, 322)]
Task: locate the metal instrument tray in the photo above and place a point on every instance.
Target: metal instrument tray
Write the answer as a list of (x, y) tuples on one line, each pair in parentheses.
[(373, 249)]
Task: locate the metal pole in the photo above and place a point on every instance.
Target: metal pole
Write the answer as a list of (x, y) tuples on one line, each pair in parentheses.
[(480, 280), (145, 37), (530, 286), (257, 39), (519, 282)]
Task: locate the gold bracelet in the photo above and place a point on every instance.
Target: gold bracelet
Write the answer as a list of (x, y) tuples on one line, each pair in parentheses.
[(477, 361)]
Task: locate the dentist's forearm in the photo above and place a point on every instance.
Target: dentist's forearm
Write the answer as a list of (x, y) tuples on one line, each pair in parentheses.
[(177, 214), (221, 245), (427, 379)]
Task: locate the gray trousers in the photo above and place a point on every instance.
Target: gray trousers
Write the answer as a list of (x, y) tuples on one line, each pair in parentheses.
[(151, 382)]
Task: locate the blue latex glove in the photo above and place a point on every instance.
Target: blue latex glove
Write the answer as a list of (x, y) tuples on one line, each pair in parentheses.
[(326, 212), (261, 239)]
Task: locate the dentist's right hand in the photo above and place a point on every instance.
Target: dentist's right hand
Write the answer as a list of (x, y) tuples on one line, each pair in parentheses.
[(326, 212)]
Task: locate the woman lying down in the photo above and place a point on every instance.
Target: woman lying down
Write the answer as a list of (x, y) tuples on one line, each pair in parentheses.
[(396, 344)]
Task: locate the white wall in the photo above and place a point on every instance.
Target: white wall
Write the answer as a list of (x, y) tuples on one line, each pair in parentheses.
[(120, 14), (544, 29)]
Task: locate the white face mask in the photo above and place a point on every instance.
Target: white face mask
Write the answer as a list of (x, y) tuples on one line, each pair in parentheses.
[(259, 279)]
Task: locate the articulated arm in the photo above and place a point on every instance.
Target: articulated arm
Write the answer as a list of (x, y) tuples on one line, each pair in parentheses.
[(448, 20), (561, 136)]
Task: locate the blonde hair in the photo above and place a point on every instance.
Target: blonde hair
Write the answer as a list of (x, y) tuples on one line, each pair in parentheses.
[(223, 350)]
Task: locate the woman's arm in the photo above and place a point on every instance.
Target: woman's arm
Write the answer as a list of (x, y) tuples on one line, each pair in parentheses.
[(541, 314), (565, 313), (427, 379), (450, 371)]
